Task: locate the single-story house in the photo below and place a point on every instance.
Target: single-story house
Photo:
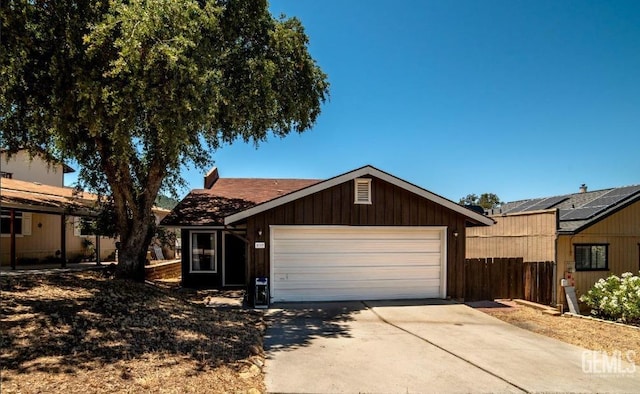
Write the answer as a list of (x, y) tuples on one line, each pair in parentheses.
[(364, 234), (589, 234)]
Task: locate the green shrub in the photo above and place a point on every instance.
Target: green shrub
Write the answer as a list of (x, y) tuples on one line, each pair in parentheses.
[(615, 298)]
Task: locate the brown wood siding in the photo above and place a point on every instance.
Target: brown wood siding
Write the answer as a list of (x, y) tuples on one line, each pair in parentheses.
[(530, 236), (621, 231), (391, 206)]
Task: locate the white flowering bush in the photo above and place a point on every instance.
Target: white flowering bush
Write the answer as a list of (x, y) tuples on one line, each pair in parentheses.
[(615, 298)]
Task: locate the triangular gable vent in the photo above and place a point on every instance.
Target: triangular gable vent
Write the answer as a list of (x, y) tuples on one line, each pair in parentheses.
[(363, 191)]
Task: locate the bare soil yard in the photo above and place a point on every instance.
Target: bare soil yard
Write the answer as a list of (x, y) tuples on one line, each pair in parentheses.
[(79, 332), (590, 334)]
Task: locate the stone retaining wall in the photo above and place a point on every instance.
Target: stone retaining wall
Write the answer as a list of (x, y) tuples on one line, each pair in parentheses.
[(163, 270)]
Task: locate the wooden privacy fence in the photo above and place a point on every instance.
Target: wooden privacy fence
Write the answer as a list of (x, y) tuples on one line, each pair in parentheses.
[(491, 278)]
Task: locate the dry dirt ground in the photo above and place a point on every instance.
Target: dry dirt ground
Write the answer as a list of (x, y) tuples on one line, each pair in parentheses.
[(80, 332), (590, 334)]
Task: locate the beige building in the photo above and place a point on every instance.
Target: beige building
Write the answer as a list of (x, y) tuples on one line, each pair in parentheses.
[(45, 216), (589, 235), (24, 167)]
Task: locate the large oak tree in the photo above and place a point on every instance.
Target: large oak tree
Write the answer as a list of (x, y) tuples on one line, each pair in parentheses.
[(133, 90)]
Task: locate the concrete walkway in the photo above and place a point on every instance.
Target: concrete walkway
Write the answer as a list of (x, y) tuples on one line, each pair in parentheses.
[(383, 347)]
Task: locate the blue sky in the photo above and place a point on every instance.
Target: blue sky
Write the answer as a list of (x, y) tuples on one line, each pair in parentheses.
[(518, 98)]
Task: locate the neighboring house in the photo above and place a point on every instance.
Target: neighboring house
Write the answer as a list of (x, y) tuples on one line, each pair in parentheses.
[(25, 167), (364, 234), (46, 215), (595, 233)]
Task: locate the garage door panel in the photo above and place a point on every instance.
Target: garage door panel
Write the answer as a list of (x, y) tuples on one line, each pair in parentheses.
[(354, 274), (354, 246), (372, 233), (320, 261), (378, 285), (314, 263), (355, 294)]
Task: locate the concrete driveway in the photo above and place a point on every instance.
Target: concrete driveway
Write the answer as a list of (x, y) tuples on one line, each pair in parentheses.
[(415, 347)]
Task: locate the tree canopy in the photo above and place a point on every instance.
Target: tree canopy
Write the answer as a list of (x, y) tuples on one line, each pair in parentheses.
[(486, 200), (134, 90)]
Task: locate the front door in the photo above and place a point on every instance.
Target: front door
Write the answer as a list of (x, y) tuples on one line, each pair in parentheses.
[(234, 260)]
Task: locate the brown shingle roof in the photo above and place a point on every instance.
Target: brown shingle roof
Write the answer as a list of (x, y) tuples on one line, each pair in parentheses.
[(208, 207)]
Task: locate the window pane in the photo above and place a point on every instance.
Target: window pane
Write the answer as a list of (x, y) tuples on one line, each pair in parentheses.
[(203, 251), (591, 257), (599, 256), (86, 227), (6, 222), (581, 257)]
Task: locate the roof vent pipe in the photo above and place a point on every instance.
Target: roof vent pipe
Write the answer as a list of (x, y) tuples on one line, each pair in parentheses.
[(583, 188)]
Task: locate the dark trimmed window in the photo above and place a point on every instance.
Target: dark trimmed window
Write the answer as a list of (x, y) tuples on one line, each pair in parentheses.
[(203, 251), (6, 222), (592, 257), (83, 227)]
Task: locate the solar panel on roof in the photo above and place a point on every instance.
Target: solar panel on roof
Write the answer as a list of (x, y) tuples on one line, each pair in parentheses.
[(525, 205), (513, 207), (614, 196), (546, 203), (581, 213), (552, 201)]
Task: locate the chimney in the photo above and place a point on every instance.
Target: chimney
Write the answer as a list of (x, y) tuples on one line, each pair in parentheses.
[(211, 178), (583, 188)]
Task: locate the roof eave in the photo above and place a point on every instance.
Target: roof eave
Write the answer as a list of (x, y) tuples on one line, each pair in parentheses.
[(44, 209)]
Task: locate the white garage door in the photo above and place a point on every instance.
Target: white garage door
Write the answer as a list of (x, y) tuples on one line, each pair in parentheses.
[(336, 263)]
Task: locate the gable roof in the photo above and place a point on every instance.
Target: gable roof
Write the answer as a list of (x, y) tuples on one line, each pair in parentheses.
[(209, 207), (577, 211), (366, 170)]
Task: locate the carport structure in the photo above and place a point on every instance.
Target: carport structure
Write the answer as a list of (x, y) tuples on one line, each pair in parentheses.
[(21, 201)]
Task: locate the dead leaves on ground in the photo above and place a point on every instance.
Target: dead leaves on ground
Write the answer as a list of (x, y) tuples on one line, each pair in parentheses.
[(118, 335)]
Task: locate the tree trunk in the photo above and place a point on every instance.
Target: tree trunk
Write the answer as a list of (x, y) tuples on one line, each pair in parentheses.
[(133, 250), (133, 201)]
